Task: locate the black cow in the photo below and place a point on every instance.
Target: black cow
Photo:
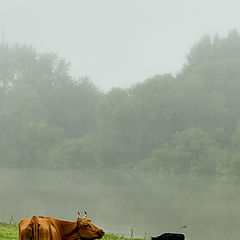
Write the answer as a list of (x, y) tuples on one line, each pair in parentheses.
[(170, 236)]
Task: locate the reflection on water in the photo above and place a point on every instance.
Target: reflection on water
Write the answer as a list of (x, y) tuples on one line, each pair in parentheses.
[(118, 201)]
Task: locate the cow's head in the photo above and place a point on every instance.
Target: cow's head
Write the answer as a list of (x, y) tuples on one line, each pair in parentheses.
[(86, 230)]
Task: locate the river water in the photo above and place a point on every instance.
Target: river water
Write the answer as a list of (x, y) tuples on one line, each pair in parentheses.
[(119, 201)]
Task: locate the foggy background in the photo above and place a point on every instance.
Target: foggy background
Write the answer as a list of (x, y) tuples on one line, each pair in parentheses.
[(117, 43), (152, 156)]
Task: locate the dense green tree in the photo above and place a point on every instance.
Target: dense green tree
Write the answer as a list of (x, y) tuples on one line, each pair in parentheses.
[(223, 78), (187, 123), (39, 100), (234, 163), (66, 103), (201, 52), (209, 50), (25, 136), (79, 153), (116, 127), (190, 151), (72, 107)]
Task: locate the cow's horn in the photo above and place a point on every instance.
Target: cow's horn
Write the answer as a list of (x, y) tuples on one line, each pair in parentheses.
[(79, 215), (85, 215)]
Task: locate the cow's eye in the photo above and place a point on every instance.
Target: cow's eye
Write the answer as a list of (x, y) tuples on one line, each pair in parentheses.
[(87, 225)]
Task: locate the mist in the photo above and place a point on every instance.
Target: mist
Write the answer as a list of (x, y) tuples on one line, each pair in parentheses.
[(117, 43), (128, 110)]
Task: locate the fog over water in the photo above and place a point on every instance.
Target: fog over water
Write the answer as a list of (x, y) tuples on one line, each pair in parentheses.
[(120, 200)]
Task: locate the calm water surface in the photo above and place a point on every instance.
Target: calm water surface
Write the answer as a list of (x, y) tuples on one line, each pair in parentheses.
[(120, 200)]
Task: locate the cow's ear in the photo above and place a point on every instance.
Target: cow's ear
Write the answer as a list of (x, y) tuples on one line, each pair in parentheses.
[(85, 215)]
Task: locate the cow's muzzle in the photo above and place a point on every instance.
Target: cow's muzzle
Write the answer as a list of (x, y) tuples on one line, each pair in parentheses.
[(101, 233)]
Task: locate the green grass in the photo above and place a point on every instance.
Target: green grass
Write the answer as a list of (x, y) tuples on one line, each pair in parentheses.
[(10, 232), (117, 237)]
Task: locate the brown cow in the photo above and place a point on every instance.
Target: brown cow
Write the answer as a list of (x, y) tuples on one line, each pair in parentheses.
[(48, 228)]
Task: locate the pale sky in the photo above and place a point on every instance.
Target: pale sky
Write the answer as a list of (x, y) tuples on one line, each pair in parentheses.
[(117, 42)]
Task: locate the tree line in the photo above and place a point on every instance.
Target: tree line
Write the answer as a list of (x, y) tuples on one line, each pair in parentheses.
[(188, 123)]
